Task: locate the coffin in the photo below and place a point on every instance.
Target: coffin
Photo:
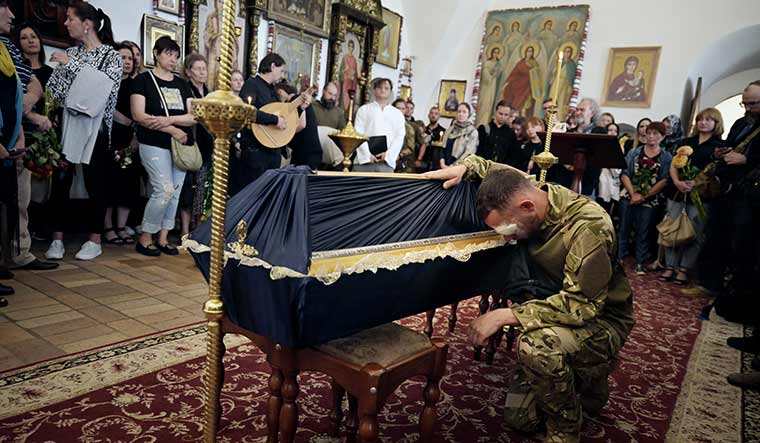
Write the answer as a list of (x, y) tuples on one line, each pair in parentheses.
[(336, 254)]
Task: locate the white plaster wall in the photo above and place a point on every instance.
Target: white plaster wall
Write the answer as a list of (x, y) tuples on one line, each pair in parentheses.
[(446, 37)]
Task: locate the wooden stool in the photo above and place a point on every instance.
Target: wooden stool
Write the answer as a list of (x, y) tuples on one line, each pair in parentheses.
[(370, 365)]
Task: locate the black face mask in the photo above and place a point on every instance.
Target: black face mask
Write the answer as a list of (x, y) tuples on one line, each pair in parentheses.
[(329, 104)]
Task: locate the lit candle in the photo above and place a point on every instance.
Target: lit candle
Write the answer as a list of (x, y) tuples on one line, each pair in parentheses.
[(249, 99), (556, 80)]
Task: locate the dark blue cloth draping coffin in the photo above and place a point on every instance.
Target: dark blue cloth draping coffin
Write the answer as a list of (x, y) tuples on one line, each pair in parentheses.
[(293, 214)]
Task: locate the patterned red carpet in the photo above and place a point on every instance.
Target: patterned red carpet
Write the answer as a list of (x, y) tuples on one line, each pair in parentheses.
[(149, 390)]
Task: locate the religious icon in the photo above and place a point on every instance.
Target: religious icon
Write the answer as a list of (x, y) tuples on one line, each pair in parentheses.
[(631, 72), (154, 28), (310, 15), (520, 51), (301, 52), (390, 39), (210, 38), (350, 68), (450, 96), (170, 6), (524, 87)]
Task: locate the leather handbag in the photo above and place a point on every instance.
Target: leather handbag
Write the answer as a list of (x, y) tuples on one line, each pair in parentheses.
[(675, 232), (185, 157)]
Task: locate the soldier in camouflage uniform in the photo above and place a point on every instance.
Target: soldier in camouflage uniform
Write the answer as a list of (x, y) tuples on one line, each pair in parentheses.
[(569, 341), (407, 155)]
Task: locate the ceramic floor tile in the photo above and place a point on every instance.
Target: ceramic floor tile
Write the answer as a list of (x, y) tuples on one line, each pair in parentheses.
[(132, 328), (79, 335), (10, 333), (38, 311), (102, 314), (49, 319), (94, 342), (64, 326)]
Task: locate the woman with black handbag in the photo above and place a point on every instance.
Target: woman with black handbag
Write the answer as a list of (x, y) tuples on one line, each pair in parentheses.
[(161, 107), (95, 54)]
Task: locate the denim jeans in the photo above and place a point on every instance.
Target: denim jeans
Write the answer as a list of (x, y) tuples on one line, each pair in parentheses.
[(165, 186), (685, 256), (640, 218)]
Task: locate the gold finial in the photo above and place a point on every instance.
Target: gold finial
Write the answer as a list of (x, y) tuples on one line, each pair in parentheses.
[(240, 247)]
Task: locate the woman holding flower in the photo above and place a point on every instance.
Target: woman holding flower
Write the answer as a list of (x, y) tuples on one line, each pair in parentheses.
[(644, 178), (123, 172), (692, 157)]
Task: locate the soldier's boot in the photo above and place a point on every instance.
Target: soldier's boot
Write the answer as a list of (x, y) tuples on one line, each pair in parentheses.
[(749, 380), (595, 396), (521, 413), (561, 436)]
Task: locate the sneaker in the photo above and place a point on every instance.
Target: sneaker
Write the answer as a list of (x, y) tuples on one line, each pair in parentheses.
[(55, 251), (640, 270), (89, 251)]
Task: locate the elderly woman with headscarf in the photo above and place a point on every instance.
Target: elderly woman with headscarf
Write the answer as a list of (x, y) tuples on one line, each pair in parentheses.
[(461, 139), (674, 136)]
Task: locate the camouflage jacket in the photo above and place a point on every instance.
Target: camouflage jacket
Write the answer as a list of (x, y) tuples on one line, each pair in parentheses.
[(575, 244)]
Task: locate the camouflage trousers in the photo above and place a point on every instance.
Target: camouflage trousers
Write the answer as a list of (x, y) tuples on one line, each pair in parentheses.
[(560, 373)]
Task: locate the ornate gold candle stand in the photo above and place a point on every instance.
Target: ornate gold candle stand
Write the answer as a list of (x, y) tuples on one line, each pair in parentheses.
[(223, 114), (348, 139)]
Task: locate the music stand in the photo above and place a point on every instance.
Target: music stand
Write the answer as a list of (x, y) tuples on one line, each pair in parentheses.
[(585, 151)]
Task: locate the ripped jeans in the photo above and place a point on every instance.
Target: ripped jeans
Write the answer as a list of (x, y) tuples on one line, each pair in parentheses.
[(165, 183)]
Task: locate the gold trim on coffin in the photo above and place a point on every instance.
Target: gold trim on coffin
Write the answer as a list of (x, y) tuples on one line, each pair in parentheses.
[(329, 266)]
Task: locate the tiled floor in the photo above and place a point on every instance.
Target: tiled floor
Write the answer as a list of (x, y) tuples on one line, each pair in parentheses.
[(87, 304)]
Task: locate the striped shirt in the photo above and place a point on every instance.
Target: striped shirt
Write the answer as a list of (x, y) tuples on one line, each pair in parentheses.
[(23, 68)]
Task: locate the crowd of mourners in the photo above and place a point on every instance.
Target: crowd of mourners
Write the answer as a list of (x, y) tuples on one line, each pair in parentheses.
[(684, 205)]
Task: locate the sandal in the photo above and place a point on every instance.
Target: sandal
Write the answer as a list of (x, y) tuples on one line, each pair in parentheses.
[(668, 275), (682, 281), (115, 240), (126, 238)]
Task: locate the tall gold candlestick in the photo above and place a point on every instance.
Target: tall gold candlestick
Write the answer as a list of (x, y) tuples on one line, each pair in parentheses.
[(546, 159), (222, 113)]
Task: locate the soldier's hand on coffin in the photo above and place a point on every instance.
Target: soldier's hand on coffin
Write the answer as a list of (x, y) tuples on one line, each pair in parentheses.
[(452, 175), (488, 324)]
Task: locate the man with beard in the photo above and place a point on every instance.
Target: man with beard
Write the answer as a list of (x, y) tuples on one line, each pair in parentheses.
[(326, 109), (568, 342), (733, 242), (433, 133), (586, 115)]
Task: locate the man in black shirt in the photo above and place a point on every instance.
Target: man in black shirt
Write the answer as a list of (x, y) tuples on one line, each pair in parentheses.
[(255, 158), (497, 139), (433, 133), (305, 144)]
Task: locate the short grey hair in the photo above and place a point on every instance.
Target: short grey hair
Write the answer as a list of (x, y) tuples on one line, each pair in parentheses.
[(596, 110)]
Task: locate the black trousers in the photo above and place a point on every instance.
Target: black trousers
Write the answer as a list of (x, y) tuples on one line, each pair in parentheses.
[(253, 162), (732, 245), (96, 177)]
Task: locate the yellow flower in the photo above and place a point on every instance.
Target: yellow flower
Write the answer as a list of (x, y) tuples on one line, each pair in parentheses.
[(684, 150), (679, 161)]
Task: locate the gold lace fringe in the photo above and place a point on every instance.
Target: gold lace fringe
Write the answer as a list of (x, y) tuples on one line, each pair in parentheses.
[(329, 266)]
